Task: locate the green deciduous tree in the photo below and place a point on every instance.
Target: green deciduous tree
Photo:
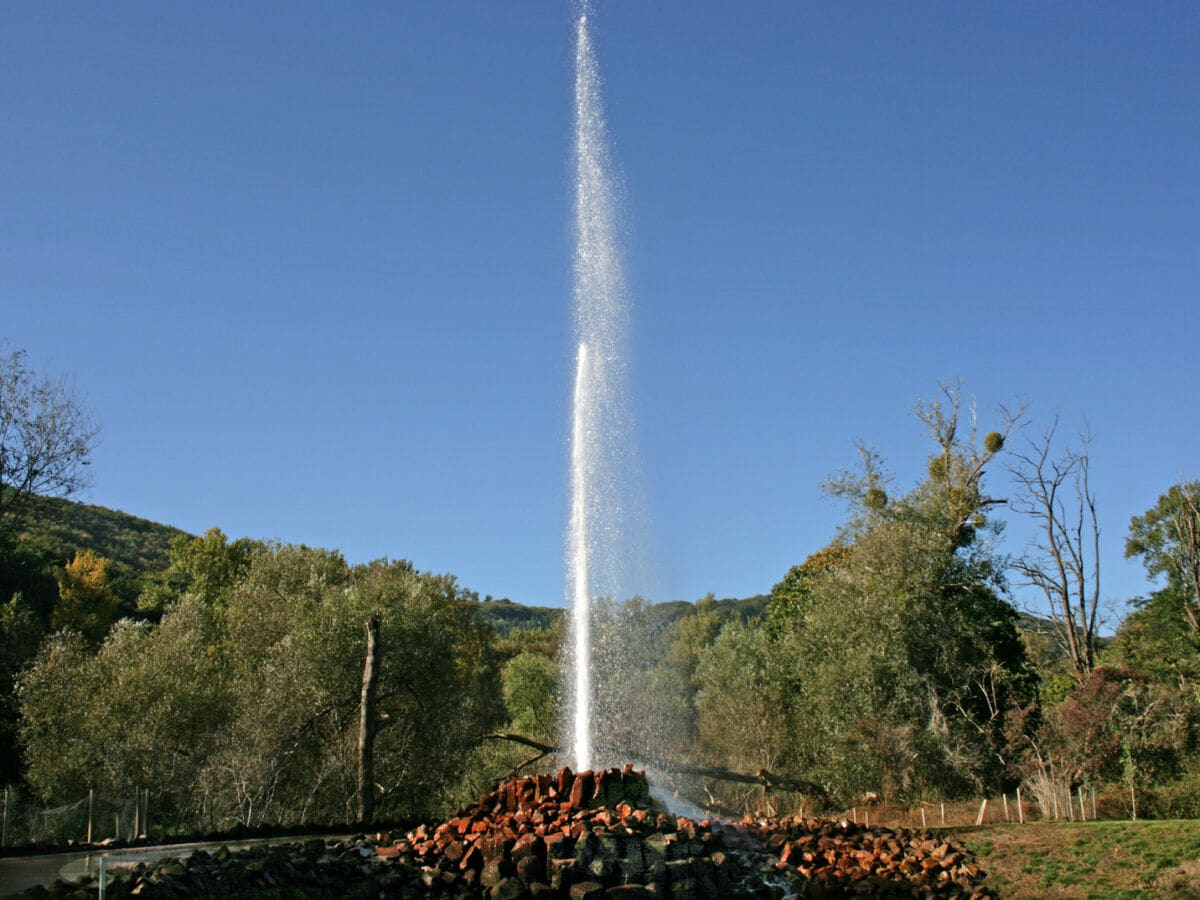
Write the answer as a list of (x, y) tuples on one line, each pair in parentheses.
[(247, 711), (86, 602), (207, 566), (1167, 538), (905, 656)]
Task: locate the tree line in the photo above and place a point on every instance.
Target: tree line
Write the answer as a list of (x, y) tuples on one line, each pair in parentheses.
[(254, 683)]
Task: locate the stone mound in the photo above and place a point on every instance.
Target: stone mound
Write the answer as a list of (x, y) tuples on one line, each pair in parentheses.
[(597, 834), (582, 836)]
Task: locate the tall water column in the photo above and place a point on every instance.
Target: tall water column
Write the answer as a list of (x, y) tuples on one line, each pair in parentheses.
[(599, 432)]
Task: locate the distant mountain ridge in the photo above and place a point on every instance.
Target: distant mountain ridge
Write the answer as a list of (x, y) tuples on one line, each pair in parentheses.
[(57, 528)]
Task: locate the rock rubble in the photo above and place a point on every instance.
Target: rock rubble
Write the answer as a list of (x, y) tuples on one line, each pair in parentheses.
[(582, 836)]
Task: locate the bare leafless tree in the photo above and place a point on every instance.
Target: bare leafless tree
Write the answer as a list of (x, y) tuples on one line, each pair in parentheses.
[(1062, 560), (46, 435)]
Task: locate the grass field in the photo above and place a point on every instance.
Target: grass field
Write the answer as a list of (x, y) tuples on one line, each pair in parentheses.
[(1103, 860)]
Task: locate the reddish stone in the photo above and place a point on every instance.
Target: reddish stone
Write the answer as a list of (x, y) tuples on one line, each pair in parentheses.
[(581, 789), (562, 780)]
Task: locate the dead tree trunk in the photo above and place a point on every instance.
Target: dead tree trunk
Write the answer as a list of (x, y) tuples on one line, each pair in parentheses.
[(1064, 562), (368, 723)]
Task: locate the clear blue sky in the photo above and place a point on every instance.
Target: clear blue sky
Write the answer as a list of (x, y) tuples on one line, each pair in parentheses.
[(310, 264)]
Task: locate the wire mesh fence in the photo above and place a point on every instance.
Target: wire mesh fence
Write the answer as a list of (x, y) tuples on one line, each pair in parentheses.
[(94, 818)]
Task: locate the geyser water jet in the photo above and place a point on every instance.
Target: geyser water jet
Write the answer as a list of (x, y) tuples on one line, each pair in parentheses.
[(599, 436), (581, 591)]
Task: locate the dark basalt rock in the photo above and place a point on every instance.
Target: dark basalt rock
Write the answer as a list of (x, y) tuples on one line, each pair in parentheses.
[(592, 835)]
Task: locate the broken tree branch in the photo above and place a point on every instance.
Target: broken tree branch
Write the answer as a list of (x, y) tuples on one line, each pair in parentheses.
[(769, 780)]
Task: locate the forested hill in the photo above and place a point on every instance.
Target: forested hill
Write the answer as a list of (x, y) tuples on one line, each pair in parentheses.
[(53, 530), (505, 616), (64, 526)]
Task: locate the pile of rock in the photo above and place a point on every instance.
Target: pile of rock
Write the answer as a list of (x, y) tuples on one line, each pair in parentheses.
[(597, 834), (584, 836), (848, 858)]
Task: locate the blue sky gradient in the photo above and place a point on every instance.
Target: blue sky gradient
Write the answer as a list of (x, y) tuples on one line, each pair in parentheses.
[(310, 264)]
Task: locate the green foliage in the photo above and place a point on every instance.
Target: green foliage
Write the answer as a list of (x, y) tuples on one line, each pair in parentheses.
[(246, 711), (1118, 725), (208, 566), (531, 694), (135, 544), (748, 701), (86, 601), (791, 597), (1155, 535), (1156, 638), (1167, 538), (139, 713), (21, 633), (1175, 799), (897, 644), (505, 616)]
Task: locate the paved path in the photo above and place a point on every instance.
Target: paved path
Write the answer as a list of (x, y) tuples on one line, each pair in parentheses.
[(19, 873)]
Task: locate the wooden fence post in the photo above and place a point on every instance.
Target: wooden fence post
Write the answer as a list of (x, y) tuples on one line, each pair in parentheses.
[(943, 805), (4, 833), (982, 812), (91, 798), (1020, 810), (922, 815), (1082, 810), (1004, 797)]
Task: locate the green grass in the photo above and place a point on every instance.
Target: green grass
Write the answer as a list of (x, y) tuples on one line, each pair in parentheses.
[(1102, 860)]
